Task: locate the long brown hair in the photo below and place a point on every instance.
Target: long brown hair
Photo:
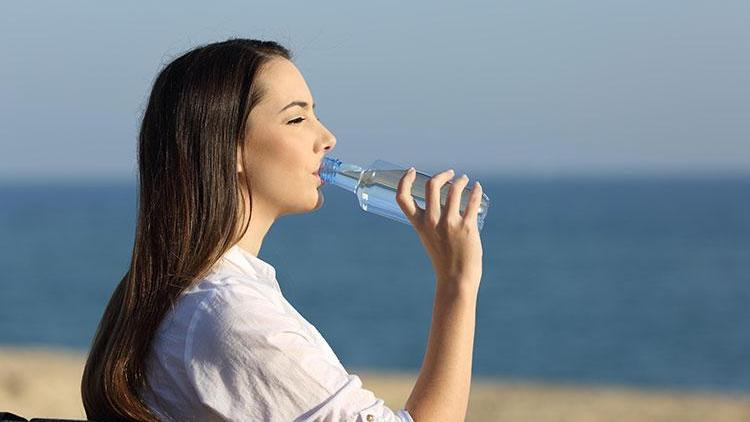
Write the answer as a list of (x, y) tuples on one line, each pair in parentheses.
[(190, 209)]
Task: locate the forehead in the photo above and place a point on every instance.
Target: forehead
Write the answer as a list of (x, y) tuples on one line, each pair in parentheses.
[(283, 83)]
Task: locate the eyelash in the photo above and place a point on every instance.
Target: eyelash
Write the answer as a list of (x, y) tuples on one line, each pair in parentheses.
[(299, 120)]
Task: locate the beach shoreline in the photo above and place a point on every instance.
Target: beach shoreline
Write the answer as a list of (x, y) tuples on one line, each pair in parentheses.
[(45, 382)]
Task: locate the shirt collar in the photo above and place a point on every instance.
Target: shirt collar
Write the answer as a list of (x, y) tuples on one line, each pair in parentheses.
[(249, 263)]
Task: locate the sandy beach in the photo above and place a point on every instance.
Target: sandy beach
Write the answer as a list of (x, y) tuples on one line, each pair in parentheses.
[(36, 382)]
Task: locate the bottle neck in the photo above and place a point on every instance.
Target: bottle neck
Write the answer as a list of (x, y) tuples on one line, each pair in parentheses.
[(337, 173)]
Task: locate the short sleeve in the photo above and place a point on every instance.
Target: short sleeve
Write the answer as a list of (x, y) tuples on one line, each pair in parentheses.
[(249, 359)]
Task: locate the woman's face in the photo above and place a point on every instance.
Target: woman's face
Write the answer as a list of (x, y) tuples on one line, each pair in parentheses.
[(285, 144)]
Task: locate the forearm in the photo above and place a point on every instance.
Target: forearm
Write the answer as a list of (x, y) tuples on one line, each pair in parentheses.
[(442, 388)]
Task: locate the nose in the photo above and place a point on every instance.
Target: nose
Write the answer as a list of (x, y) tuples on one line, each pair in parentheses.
[(331, 143), (329, 140)]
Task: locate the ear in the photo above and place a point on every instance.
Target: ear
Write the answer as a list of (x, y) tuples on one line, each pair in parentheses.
[(239, 160)]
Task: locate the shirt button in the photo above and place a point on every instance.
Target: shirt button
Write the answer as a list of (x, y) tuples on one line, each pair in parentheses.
[(370, 418)]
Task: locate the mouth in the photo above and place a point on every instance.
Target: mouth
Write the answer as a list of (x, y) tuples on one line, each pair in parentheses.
[(316, 173)]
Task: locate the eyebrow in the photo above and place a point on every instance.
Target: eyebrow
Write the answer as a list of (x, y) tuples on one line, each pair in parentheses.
[(297, 103)]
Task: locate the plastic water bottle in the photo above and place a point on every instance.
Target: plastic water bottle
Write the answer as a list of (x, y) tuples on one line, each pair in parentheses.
[(377, 185)]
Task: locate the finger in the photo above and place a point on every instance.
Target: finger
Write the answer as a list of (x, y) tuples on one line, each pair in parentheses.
[(404, 198), (455, 193), (472, 207), (432, 195)]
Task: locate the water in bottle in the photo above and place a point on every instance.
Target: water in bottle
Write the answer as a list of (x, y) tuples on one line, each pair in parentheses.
[(376, 187)]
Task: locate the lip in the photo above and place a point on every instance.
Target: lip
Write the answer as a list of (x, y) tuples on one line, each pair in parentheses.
[(316, 173)]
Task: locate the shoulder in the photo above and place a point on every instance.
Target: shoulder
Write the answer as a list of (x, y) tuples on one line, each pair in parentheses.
[(234, 302)]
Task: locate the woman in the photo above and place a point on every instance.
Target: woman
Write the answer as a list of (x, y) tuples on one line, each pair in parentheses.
[(198, 328)]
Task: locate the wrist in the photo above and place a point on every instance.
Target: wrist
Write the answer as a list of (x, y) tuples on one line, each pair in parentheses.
[(457, 289)]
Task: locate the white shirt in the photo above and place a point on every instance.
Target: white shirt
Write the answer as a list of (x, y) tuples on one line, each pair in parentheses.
[(233, 348)]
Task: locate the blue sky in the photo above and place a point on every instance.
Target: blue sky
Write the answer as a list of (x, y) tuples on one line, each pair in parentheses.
[(525, 87)]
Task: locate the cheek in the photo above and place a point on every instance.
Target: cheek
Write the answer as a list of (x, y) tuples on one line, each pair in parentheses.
[(271, 158), (286, 154), (280, 171), (297, 195), (287, 185)]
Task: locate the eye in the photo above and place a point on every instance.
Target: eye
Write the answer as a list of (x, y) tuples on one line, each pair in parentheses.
[(297, 121)]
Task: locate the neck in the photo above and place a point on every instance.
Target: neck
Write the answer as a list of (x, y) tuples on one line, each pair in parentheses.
[(260, 223)]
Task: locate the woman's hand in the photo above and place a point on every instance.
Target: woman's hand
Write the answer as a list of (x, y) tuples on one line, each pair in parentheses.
[(452, 241)]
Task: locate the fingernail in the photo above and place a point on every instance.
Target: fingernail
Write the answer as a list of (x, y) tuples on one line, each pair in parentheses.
[(451, 171), (412, 169)]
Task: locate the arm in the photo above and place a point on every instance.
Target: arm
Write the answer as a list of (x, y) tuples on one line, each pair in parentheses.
[(251, 359), (442, 388), (452, 241)]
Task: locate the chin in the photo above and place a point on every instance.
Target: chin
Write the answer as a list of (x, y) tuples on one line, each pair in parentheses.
[(321, 199), (314, 204)]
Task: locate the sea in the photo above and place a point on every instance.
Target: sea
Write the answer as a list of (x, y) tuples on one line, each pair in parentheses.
[(630, 281)]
